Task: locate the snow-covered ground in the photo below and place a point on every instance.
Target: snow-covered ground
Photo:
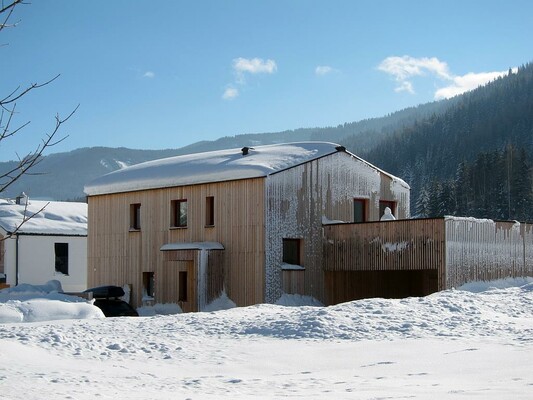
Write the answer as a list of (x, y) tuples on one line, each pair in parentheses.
[(456, 344)]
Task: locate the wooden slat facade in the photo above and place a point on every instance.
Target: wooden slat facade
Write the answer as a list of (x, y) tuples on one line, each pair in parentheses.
[(487, 250), (384, 259), (301, 198), (419, 256), (119, 255)]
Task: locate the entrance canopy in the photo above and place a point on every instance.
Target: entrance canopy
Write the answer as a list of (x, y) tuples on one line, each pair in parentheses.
[(192, 246)]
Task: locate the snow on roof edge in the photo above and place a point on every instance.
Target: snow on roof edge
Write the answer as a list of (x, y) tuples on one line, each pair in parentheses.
[(207, 167), (219, 166)]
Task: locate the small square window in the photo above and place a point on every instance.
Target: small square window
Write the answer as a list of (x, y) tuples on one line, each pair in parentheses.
[(384, 204), (292, 251), (61, 258), (135, 216), (179, 213)]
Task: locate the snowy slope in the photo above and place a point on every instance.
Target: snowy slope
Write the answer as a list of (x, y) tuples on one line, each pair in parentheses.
[(453, 344)]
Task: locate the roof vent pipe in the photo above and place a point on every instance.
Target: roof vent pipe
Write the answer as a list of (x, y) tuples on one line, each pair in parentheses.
[(22, 199), (245, 150)]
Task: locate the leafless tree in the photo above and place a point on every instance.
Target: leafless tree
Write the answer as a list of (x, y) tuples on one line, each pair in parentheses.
[(8, 112)]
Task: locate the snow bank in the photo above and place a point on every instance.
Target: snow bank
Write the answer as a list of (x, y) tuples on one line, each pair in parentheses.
[(221, 303), (159, 309), (33, 303), (297, 300), (482, 286)]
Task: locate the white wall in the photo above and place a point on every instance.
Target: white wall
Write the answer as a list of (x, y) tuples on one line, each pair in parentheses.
[(37, 261)]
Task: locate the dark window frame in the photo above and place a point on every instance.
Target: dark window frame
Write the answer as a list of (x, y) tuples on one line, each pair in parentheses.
[(292, 251), (183, 283), (135, 217), (364, 204), (387, 203), (148, 284), (61, 253), (176, 213), (210, 211)]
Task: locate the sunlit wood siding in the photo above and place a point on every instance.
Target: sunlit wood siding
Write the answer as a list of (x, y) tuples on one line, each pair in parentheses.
[(420, 256), (301, 198), (118, 255), (384, 259), (388, 245), (487, 250)]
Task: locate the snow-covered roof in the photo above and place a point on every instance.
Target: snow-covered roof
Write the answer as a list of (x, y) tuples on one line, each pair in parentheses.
[(213, 166), (216, 166), (56, 217)]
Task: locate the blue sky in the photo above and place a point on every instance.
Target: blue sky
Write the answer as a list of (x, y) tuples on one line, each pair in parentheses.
[(165, 74)]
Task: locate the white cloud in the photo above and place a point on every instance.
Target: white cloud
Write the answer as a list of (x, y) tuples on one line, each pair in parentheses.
[(404, 68), (254, 65), (324, 70), (243, 67), (404, 86), (470, 81), (230, 93), (148, 74)]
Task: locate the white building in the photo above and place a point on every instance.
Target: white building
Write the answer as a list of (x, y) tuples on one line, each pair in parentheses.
[(50, 244)]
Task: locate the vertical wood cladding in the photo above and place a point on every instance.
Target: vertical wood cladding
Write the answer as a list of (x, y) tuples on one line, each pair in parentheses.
[(300, 199), (119, 255), (487, 250), (421, 256)]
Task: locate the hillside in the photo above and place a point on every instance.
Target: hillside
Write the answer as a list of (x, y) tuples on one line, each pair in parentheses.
[(483, 145), (62, 176)]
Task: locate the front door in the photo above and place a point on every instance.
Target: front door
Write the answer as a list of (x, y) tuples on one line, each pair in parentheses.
[(179, 285)]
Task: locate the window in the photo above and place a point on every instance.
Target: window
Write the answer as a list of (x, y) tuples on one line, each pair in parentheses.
[(359, 210), (135, 217), (179, 213), (182, 282), (384, 204), (61, 257), (210, 211), (148, 284), (292, 249)]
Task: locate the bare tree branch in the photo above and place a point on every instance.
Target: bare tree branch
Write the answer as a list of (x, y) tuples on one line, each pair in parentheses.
[(14, 96), (35, 157), (8, 109), (25, 218), (9, 10)]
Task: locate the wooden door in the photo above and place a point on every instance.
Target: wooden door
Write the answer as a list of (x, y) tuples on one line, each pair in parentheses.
[(178, 285)]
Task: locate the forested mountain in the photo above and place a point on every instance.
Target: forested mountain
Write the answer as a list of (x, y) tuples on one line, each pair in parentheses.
[(362, 135), (474, 159), (62, 176)]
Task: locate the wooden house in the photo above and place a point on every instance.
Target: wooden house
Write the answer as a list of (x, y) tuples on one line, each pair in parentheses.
[(248, 221), (51, 244)]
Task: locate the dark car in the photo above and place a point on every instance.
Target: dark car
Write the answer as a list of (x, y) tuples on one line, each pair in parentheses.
[(107, 299)]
